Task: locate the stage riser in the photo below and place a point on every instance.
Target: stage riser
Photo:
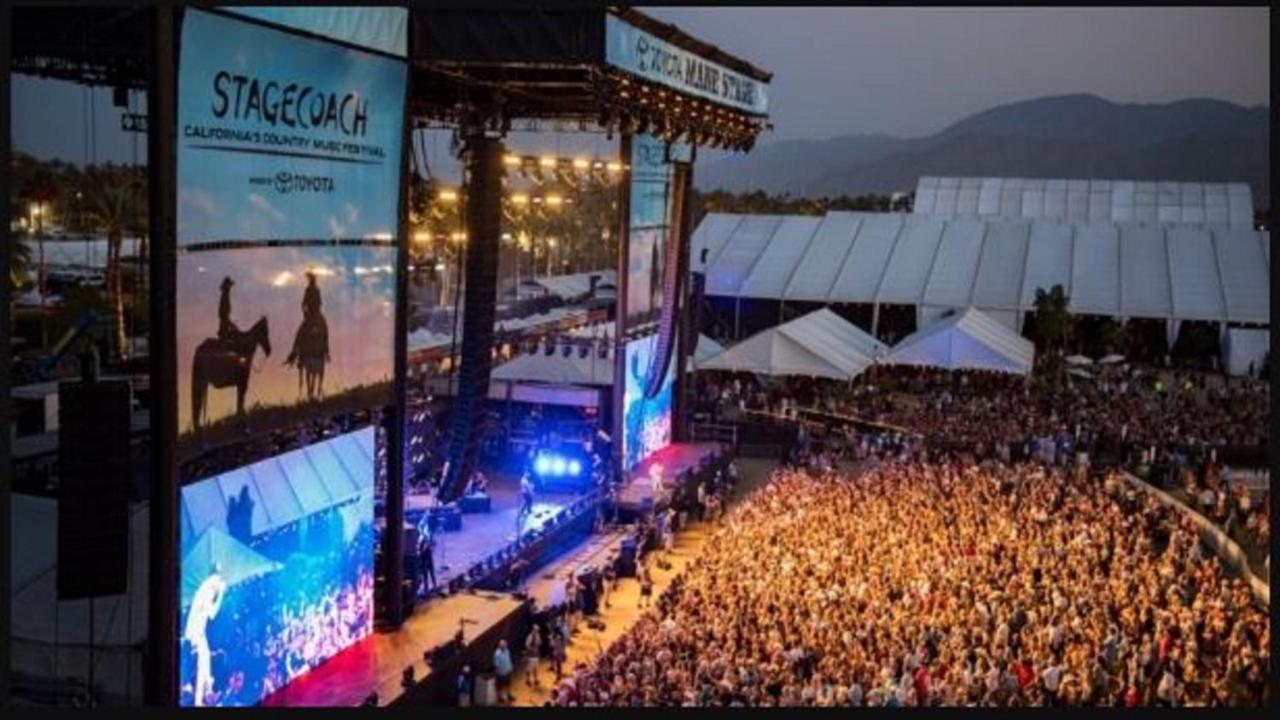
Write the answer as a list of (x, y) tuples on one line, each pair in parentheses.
[(439, 687)]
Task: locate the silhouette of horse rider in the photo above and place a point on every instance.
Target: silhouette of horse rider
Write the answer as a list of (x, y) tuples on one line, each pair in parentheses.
[(311, 343), (224, 361)]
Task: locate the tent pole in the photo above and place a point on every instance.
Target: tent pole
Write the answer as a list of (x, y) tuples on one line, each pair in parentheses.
[(737, 320)]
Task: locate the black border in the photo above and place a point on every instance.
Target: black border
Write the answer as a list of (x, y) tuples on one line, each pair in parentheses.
[(416, 6)]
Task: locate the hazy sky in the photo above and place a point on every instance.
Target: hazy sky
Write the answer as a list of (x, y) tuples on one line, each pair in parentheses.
[(913, 71), (899, 71)]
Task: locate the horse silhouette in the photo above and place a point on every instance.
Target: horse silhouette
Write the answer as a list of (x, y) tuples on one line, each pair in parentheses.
[(310, 353), (225, 363)]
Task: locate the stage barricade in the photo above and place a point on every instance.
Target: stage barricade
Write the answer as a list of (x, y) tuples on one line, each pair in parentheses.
[(1226, 548)]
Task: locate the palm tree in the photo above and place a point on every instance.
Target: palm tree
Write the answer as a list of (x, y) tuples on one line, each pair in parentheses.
[(1115, 336), (1053, 319), (19, 262), (115, 206)]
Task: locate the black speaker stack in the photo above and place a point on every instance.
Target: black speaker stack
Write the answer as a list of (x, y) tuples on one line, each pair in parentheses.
[(484, 218), (93, 488)]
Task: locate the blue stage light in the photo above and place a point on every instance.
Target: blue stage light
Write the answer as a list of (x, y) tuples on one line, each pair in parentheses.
[(558, 466), (575, 468), (542, 465)]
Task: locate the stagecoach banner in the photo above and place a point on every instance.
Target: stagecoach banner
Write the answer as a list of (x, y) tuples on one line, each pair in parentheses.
[(284, 137), (631, 49), (289, 157)]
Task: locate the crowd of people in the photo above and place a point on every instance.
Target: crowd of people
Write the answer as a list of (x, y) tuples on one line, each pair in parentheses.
[(1242, 512), (1120, 409), (951, 583)]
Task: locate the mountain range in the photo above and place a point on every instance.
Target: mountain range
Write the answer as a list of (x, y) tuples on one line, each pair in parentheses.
[(1067, 136)]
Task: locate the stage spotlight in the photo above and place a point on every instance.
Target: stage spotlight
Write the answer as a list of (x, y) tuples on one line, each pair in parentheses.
[(575, 468), (542, 465)]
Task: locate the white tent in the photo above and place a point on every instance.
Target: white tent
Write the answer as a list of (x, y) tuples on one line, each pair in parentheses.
[(969, 340), (1119, 265), (556, 369), (820, 344), (707, 349), (1244, 348)]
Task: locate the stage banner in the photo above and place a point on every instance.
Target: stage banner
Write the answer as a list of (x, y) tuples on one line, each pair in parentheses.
[(643, 54), (646, 426), (651, 222), (289, 157), (283, 137), (277, 569)]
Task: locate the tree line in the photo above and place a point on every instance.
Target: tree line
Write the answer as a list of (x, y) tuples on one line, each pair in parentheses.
[(759, 202), (107, 199)]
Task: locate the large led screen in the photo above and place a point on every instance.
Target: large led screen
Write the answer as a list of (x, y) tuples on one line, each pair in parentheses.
[(646, 420), (651, 186), (289, 156), (268, 336), (276, 570), (282, 137)]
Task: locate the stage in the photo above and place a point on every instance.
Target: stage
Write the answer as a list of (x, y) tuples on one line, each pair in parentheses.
[(377, 663), (675, 460), (484, 534)]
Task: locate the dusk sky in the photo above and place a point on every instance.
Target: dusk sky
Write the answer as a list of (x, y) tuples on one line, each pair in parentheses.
[(899, 71)]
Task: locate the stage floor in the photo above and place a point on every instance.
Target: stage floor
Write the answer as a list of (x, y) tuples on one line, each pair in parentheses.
[(675, 459), (376, 664), (483, 534)]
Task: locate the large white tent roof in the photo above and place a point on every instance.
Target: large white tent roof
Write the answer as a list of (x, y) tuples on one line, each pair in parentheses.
[(1085, 200), (966, 340), (1119, 269), (557, 369), (820, 344)]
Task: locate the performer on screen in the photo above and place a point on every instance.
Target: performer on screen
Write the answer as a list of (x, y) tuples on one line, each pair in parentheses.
[(204, 607)]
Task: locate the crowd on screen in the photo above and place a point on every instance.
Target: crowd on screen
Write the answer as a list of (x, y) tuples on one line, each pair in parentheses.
[(277, 627), (942, 583)]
